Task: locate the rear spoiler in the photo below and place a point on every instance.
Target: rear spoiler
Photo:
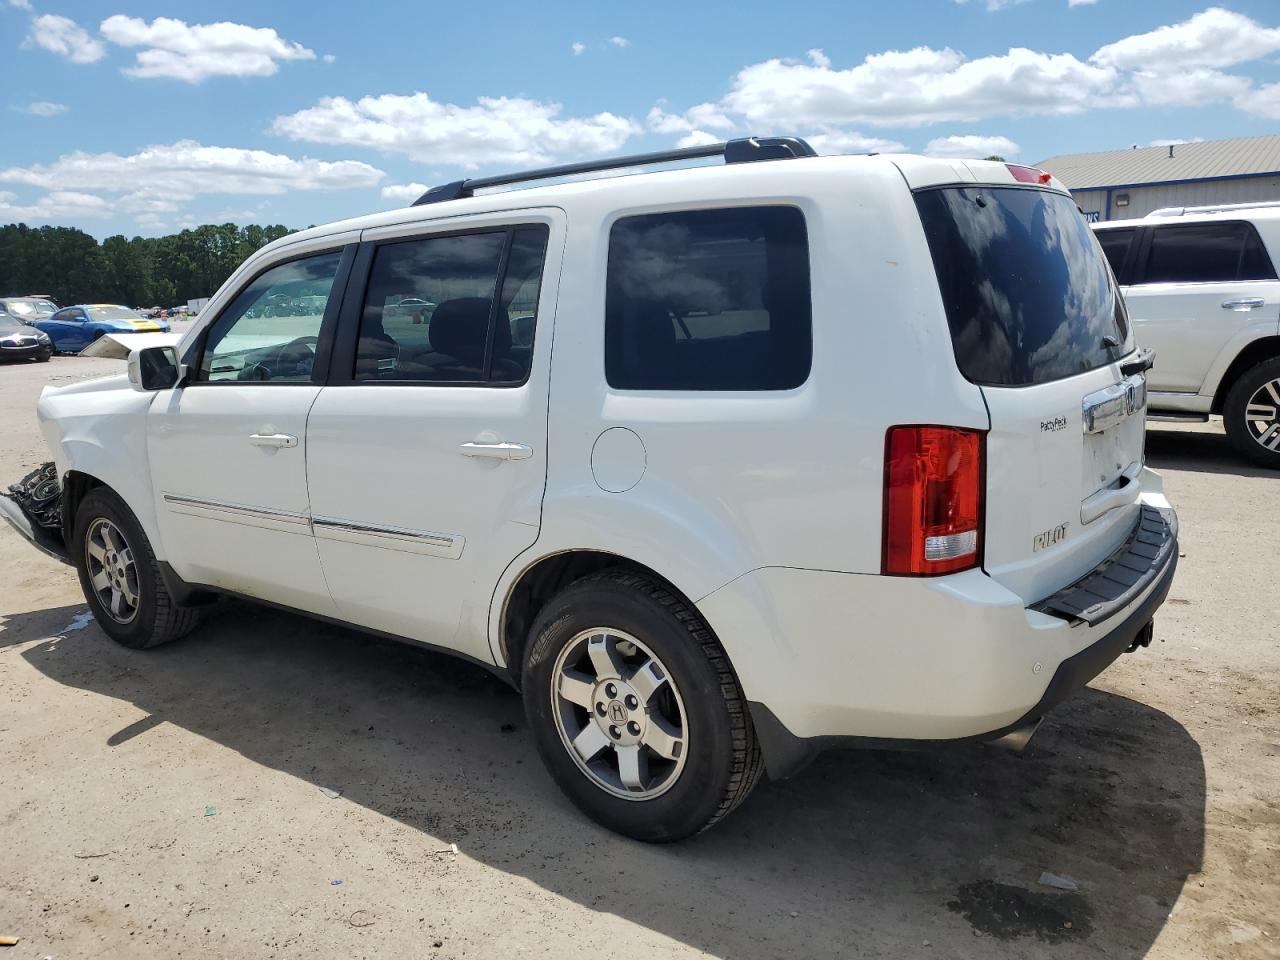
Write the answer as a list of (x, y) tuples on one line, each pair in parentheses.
[(118, 346)]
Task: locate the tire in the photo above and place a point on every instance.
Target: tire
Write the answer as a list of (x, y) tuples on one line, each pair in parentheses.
[(45, 357), (679, 693), (107, 535), (1256, 438)]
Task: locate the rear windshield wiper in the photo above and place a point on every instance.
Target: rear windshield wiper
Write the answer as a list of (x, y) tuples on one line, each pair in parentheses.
[(1143, 362)]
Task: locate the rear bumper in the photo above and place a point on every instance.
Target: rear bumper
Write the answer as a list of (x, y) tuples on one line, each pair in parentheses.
[(841, 660)]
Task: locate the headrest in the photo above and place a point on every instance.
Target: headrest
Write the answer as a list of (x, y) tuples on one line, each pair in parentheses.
[(459, 327)]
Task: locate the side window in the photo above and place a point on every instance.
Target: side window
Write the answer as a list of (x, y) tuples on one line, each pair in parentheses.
[(709, 300), (70, 315), (270, 331), (1115, 244), (1201, 253), (452, 309)]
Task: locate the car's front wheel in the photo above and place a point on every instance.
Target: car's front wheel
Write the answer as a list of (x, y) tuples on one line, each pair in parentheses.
[(636, 710), (1251, 414), (120, 576)]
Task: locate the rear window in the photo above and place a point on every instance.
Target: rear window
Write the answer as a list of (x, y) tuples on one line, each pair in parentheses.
[(709, 300), (1206, 253), (1027, 292)]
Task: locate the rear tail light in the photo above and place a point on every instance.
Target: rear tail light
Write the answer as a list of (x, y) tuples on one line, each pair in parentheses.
[(933, 500), (1028, 174)]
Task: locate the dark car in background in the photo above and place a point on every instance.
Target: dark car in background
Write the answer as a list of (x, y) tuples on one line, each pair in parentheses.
[(21, 342), (28, 309)]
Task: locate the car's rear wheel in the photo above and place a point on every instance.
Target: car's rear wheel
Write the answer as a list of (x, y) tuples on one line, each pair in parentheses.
[(636, 710), (1251, 414), (120, 576)]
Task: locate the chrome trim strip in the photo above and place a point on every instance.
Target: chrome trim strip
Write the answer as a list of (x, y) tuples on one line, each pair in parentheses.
[(442, 540), (236, 510)]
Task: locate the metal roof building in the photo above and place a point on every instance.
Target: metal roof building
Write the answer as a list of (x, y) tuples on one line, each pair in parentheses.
[(1124, 184)]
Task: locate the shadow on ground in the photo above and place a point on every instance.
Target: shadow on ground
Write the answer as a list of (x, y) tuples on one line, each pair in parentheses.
[(1199, 451), (869, 852)]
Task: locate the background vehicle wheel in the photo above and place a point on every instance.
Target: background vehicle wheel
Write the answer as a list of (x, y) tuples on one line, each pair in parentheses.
[(120, 577), (1251, 414), (635, 709)]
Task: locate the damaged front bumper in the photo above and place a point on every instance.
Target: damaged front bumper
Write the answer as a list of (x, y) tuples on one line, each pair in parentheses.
[(33, 507)]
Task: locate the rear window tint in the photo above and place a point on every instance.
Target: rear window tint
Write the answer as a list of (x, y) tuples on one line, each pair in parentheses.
[(709, 300), (1027, 292)]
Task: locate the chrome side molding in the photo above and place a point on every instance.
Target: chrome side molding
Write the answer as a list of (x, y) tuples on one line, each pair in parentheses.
[(395, 538), (236, 512)]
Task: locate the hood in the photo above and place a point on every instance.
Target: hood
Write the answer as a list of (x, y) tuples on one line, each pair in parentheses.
[(96, 385), (118, 346)]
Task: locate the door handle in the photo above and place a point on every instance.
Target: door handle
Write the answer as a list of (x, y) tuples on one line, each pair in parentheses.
[(275, 440), (497, 451), (1248, 303)]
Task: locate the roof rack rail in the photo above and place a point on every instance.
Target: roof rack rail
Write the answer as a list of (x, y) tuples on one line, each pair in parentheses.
[(745, 150), (1214, 208)]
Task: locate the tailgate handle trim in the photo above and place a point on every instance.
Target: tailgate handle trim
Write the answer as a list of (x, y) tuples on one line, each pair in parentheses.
[(1121, 493)]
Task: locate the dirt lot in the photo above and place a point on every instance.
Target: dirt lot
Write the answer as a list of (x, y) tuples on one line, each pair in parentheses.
[(172, 803)]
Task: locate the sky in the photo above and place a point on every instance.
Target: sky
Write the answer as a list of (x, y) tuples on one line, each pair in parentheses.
[(139, 117)]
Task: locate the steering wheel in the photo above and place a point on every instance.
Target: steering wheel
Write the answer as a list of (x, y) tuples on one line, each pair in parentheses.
[(294, 358)]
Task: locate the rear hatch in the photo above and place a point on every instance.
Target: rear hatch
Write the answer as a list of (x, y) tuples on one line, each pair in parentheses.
[(1037, 322)]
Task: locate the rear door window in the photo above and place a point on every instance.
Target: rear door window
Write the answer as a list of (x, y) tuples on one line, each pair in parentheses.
[(1027, 292), (709, 300), (1206, 253), (453, 309)]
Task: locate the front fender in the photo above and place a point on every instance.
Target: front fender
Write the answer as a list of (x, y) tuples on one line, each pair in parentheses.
[(99, 428)]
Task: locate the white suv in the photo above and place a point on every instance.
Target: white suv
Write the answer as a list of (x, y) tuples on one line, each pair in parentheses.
[(721, 465), (1201, 286)]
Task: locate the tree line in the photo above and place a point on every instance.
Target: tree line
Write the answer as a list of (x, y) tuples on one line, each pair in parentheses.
[(73, 267)]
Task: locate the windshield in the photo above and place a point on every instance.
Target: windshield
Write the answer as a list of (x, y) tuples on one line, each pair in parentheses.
[(1028, 294), (9, 325), (31, 309), (113, 313)]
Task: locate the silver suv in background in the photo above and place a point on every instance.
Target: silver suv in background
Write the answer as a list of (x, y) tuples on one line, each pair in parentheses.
[(1202, 290)]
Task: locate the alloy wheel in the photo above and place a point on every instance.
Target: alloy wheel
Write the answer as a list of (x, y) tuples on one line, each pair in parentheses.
[(112, 573), (619, 714), (1262, 415)]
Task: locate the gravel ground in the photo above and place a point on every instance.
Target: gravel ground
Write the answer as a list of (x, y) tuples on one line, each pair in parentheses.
[(180, 802)]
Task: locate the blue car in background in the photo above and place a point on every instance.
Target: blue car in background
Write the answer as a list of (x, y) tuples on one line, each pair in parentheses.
[(73, 328)]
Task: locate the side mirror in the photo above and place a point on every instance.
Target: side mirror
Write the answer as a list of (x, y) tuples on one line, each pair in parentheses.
[(154, 368)]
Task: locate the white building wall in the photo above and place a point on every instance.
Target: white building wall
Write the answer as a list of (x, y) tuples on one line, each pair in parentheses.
[(1142, 200)]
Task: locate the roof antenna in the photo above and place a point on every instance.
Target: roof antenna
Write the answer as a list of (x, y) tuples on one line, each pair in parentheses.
[(1171, 151)]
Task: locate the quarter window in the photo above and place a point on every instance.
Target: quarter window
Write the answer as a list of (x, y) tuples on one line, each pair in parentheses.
[(709, 300), (1115, 244), (271, 330), (453, 309), (1206, 253)]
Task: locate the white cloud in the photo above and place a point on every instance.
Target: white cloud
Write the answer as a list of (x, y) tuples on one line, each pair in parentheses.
[(1212, 38), (43, 108), (1081, 3), (1188, 87), (833, 142), (154, 181), (55, 205), (408, 192), (1174, 141), (620, 41), (578, 48), (697, 138), (496, 130), (65, 37), (1262, 102), (703, 115), (993, 5), (971, 147), (195, 52), (915, 87), (20, 4)]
